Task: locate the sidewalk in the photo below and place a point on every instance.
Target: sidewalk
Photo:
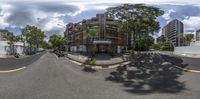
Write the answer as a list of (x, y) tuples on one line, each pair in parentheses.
[(102, 60)]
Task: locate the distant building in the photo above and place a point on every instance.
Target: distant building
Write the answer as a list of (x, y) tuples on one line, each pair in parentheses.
[(162, 38), (198, 35), (5, 48), (2, 33), (172, 31), (108, 39)]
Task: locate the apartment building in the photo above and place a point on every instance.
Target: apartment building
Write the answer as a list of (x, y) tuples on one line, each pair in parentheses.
[(198, 35), (108, 38), (172, 31)]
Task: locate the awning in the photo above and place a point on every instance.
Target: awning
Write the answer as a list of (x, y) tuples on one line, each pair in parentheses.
[(102, 42)]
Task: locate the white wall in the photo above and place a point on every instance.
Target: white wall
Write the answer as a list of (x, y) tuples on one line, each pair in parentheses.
[(195, 43), (188, 51), (5, 48)]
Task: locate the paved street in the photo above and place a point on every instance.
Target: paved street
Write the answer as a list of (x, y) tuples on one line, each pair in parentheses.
[(193, 63), (53, 78), (15, 63)]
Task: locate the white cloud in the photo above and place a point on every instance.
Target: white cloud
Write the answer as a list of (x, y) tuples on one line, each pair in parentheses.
[(46, 14), (167, 14), (192, 23), (181, 2), (43, 15)]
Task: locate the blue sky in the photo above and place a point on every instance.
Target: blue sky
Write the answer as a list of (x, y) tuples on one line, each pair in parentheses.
[(47, 14)]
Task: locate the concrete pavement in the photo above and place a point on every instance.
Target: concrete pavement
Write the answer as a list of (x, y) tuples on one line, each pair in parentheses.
[(52, 78)]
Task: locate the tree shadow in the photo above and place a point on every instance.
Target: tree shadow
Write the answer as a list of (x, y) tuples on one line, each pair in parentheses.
[(150, 73), (89, 69)]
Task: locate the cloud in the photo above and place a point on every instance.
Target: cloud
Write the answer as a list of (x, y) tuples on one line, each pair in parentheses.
[(42, 14), (46, 14), (192, 23), (167, 15), (188, 14)]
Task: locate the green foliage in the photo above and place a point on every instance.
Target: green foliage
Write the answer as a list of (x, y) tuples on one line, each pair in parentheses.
[(11, 40), (90, 61), (91, 33), (58, 42), (144, 43), (187, 38), (46, 45), (33, 35), (164, 46), (10, 37), (136, 19)]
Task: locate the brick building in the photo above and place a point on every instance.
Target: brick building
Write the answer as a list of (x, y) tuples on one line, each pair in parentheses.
[(108, 39)]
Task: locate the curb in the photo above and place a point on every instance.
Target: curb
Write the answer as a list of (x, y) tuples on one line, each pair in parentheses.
[(188, 70), (13, 70), (99, 66)]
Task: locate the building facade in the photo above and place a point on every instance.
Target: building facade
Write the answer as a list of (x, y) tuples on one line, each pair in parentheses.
[(107, 39), (2, 33), (198, 35), (172, 31), (6, 49)]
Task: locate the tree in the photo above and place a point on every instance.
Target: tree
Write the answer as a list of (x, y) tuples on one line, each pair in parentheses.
[(11, 40), (186, 38), (144, 43), (10, 37), (58, 42), (46, 45), (33, 36), (92, 33), (136, 19), (164, 46)]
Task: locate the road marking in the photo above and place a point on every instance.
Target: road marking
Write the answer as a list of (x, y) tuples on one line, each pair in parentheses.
[(194, 71), (188, 70), (14, 70), (56, 56)]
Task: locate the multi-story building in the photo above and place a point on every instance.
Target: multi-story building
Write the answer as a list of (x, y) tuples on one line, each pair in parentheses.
[(172, 31), (108, 38), (198, 35)]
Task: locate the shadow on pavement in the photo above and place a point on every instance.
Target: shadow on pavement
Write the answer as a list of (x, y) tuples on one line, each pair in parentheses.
[(151, 73), (89, 69)]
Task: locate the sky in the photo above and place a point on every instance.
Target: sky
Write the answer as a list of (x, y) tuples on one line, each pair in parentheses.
[(52, 15)]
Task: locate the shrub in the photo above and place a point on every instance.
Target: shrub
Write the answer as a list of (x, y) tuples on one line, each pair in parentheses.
[(90, 61)]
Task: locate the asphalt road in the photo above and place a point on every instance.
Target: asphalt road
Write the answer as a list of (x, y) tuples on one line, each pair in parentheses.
[(52, 78), (15, 63), (193, 63)]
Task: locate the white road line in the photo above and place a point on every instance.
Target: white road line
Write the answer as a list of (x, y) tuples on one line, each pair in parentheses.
[(14, 70)]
